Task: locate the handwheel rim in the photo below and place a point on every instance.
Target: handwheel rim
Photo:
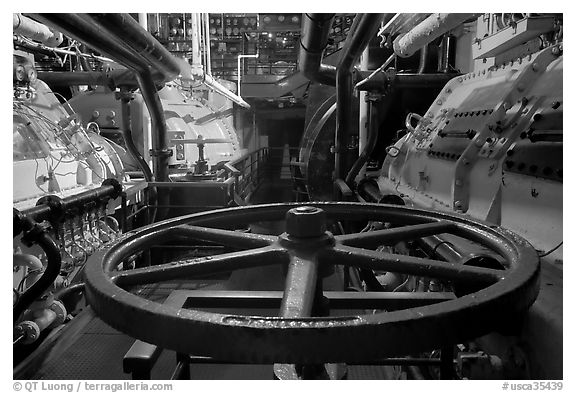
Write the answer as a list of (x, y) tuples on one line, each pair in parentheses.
[(319, 339)]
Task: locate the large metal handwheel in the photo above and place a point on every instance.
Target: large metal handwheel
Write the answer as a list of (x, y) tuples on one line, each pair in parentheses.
[(430, 319)]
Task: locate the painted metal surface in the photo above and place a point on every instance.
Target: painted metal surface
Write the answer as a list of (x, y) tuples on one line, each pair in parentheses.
[(305, 339), (485, 128)]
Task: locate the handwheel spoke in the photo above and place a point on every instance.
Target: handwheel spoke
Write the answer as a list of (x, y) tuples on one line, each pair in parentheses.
[(300, 288), (225, 237), (352, 256), (202, 265), (393, 235)]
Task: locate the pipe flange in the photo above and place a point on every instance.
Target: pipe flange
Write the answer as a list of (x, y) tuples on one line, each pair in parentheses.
[(30, 330), (56, 205), (116, 185), (60, 312)]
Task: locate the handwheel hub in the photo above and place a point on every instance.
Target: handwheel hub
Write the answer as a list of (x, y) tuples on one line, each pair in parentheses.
[(306, 222)]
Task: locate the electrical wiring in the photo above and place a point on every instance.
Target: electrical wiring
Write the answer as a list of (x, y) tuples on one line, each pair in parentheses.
[(551, 251), (65, 101)]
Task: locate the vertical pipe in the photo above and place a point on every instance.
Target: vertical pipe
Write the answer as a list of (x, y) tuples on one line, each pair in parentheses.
[(196, 54), (363, 107), (127, 133), (159, 143), (361, 32), (423, 59), (143, 20), (448, 54), (208, 64)]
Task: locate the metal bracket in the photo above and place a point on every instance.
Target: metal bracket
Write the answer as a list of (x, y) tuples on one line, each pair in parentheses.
[(464, 165), (161, 152)]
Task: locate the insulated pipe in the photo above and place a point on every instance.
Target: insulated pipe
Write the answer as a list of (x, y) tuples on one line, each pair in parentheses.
[(361, 32), (427, 31), (401, 23), (313, 41), (50, 274), (35, 31)]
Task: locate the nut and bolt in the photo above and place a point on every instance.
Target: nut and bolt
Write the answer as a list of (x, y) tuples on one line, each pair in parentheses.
[(305, 222)]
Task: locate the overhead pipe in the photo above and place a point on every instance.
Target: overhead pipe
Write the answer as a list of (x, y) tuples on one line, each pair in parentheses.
[(132, 46), (401, 23), (313, 42), (427, 31), (38, 47), (361, 32), (29, 28)]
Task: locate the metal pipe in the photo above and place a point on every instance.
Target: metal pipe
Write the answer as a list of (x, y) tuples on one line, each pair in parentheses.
[(373, 126), (113, 78), (447, 54), (127, 29), (196, 53), (313, 41), (423, 59), (438, 245), (54, 262), (240, 57), (84, 29), (43, 49), (363, 107), (212, 83), (129, 141), (52, 208), (160, 152), (427, 31), (382, 81), (207, 46), (29, 28), (401, 23), (143, 20), (361, 32)]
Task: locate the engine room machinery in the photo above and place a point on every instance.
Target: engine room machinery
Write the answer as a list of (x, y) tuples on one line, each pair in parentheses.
[(167, 227)]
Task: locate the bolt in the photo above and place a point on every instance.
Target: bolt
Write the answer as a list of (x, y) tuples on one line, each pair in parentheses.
[(535, 67), (555, 51), (305, 222), (458, 182)]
